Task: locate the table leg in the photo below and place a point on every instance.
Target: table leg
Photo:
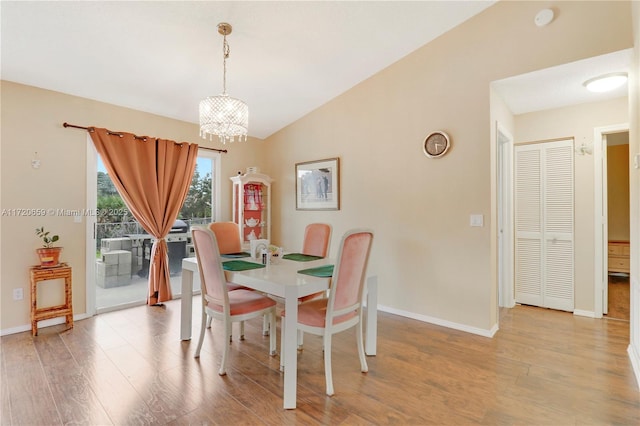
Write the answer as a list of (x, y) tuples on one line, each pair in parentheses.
[(290, 347), (34, 306), (372, 316), (186, 304), (68, 300)]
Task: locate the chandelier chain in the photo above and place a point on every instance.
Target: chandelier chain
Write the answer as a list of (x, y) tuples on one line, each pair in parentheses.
[(225, 55)]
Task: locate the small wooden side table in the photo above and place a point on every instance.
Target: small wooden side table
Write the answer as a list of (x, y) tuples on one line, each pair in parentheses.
[(39, 273)]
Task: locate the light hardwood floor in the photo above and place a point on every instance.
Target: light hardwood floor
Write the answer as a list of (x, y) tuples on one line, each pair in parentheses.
[(129, 367), (619, 298)]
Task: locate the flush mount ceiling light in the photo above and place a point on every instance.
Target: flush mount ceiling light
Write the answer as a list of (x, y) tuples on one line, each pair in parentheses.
[(222, 115), (606, 83)]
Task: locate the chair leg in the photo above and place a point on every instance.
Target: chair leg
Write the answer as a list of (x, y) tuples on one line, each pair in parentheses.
[(241, 330), (225, 353), (272, 335), (265, 325), (202, 327), (363, 359), (300, 339), (210, 320), (327, 364), (282, 344)]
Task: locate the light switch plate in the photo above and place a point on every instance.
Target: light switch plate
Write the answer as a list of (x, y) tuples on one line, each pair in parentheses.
[(476, 220)]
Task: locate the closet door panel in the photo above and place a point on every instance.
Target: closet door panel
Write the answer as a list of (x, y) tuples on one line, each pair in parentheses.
[(528, 188), (544, 221), (528, 279), (558, 225), (528, 225), (558, 279)]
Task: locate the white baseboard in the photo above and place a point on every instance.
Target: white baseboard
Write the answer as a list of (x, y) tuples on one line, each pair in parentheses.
[(444, 323), (41, 324), (581, 313), (15, 330), (634, 356)]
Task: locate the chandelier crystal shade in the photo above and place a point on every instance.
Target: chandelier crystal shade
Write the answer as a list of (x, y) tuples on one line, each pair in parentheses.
[(222, 115)]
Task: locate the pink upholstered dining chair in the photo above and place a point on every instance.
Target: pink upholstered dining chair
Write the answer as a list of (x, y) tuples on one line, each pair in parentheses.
[(229, 242), (221, 303), (317, 237), (228, 237), (343, 308)]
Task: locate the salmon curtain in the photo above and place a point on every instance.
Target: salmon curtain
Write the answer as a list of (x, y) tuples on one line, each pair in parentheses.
[(153, 177)]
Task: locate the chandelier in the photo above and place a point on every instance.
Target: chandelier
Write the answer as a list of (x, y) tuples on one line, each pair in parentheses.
[(222, 115)]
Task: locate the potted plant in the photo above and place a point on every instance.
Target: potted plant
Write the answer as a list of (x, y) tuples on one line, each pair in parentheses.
[(49, 255)]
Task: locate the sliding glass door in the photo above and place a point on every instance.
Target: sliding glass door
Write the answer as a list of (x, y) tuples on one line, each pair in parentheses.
[(121, 248)]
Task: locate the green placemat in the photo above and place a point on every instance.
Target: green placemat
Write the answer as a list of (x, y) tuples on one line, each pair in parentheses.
[(235, 255), (319, 271), (299, 257), (240, 265)]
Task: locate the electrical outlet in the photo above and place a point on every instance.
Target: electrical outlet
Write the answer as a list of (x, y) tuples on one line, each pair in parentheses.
[(18, 294)]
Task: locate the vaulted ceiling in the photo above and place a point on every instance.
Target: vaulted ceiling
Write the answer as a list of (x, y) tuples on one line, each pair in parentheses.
[(286, 58)]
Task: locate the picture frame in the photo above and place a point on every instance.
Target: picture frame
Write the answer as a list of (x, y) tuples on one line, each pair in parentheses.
[(318, 185)]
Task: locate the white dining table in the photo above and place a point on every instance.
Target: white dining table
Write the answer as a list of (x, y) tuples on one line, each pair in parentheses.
[(284, 281)]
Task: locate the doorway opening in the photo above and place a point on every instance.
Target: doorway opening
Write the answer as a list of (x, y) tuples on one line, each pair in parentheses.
[(601, 242), (616, 225)]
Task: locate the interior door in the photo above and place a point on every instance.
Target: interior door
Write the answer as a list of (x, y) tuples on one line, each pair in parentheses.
[(528, 224), (558, 201), (604, 228), (504, 144), (544, 207)]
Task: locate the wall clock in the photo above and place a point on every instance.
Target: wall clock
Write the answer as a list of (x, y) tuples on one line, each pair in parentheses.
[(436, 144)]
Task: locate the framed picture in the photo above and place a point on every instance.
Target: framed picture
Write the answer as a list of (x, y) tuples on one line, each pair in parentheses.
[(318, 185)]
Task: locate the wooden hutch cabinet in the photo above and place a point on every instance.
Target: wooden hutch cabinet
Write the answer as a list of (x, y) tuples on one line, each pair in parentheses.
[(252, 206)]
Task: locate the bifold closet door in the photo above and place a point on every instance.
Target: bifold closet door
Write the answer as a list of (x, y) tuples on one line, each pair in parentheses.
[(544, 209)]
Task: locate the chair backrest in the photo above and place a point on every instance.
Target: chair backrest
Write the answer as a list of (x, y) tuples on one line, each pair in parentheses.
[(316, 239), (228, 237), (350, 269), (212, 280)]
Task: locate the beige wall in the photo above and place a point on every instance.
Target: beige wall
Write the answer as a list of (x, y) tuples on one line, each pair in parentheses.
[(430, 262), (618, 192), (32, 122), (577, 122)]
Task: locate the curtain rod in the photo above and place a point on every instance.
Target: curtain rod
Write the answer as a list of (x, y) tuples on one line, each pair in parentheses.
[(91, 129)]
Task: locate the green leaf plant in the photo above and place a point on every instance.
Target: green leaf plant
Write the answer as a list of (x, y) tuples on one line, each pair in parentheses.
[(47, 241)]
